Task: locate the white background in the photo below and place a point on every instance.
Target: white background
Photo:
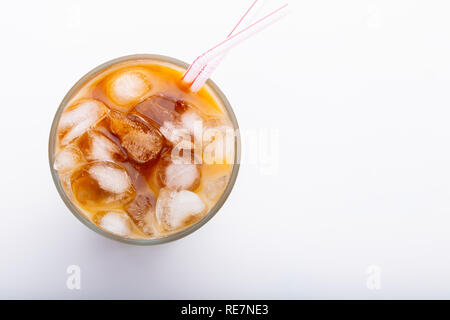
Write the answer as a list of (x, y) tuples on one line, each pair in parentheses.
[(358, 91)]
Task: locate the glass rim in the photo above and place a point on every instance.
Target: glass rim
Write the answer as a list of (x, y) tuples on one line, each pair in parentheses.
[(175, 236)]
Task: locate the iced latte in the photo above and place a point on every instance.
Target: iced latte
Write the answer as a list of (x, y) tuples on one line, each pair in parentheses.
[(140, 156)]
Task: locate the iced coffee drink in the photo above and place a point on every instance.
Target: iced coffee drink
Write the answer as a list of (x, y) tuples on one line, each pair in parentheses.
[(138, 154)]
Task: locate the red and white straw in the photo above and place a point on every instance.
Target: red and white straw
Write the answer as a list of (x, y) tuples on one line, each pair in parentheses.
[(203, 66), (209, 68)]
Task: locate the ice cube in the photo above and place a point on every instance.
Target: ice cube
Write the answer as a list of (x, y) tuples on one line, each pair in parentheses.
[(179, 176), (142, 141), (176, 134), (193, 123), (126, 88), (213, 187), (78, 118), (97, 146), (68, 159), (116, 222), (175, 209), (218, 145), (111, 179), (142, 146), (159, 109), (138, 209), (102, 183), (215, 128)]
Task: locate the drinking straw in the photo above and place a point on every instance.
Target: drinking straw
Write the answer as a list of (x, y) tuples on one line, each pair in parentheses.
[(194, 70), (209, 68), (230, 42)]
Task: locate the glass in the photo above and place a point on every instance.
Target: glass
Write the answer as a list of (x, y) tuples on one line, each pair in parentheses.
[(219, 97)]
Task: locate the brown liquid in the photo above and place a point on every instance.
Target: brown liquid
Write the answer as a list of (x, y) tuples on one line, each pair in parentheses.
[(130, 128)]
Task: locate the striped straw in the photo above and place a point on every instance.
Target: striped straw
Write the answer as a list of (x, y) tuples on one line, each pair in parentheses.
[(195, 69), (209, 68)]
